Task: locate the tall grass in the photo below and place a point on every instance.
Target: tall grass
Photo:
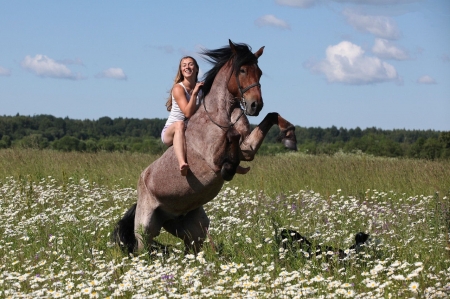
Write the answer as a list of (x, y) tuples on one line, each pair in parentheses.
[(353, 174)]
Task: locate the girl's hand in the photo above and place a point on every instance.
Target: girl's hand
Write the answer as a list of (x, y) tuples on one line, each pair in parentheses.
[(197, 87)]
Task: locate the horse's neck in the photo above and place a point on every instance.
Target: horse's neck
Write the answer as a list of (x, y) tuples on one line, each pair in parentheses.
[(204, 134), (218, 101)]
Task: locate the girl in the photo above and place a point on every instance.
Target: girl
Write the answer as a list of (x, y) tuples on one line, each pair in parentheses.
[(181, 108)]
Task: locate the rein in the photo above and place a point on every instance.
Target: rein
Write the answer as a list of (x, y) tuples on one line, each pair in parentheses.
[(242, 103)]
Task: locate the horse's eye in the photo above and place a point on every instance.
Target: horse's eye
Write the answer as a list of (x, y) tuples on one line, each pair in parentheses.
[(242, 71)]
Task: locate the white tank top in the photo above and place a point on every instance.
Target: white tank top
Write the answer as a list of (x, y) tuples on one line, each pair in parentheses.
[(175, 113)]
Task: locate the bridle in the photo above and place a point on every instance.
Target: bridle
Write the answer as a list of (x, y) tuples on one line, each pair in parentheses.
[(242, 103)]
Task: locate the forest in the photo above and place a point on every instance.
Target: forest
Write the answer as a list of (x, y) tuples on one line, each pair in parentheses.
[(143, 135)]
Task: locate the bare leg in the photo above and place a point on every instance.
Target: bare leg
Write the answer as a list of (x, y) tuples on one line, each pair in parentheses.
[(174, 135)]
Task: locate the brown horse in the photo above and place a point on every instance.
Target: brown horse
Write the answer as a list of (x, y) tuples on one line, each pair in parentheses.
[(218, 137)]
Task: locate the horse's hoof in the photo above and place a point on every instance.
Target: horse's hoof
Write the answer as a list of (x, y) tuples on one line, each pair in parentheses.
[(227, 175), (289, 144)]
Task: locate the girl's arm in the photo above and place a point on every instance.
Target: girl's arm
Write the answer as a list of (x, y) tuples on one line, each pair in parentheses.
[(188, 108)]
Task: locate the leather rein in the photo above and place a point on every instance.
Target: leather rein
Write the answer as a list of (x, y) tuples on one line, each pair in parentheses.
[(242, 103)]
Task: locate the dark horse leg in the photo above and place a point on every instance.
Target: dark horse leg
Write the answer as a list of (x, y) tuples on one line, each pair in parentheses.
[(253, 141), (231, 160), (124, 231), (191, 228)]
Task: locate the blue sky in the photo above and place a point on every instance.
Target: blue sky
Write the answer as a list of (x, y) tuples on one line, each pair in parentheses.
[(347, 63)]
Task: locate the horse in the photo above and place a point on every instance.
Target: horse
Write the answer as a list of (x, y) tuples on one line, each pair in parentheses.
[(218, 137)]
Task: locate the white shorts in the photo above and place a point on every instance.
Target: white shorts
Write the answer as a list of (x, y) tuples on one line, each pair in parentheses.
[(162, 133)]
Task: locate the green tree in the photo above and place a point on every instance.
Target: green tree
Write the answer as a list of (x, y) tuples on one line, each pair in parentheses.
[(5, 142), (35, 141), (69, 143), (106, 145), (91, 146), (416, 148), (431, 149)]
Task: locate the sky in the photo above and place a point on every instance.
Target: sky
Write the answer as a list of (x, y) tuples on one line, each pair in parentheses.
[(343, 63)]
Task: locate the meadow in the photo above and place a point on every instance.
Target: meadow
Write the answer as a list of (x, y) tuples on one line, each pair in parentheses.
[(57, 212)]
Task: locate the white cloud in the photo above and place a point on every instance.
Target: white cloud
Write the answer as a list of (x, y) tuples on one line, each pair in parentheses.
[(347, 63), (44, 66), (76, 61), (113, 73), (5, 72), (426, 80), (386, 50), (297, 3), (379, 26), (271, 20)]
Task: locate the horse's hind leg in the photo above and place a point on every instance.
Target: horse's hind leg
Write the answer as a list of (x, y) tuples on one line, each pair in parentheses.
[(147, 221), (191, 228)]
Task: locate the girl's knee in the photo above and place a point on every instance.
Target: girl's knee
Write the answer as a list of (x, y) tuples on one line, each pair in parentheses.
[(179, 126)]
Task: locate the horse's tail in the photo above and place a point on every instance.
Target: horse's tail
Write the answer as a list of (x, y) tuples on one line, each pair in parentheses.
[(123, 234)]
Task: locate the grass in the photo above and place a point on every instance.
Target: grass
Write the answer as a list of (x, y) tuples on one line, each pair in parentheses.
[(353, 174), (57, 211)]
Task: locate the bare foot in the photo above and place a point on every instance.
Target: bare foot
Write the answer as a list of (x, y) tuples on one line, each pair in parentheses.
[(242, 170), (184, 169)]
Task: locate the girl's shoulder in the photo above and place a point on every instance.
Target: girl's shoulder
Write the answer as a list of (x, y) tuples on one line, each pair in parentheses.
[(178, 87)]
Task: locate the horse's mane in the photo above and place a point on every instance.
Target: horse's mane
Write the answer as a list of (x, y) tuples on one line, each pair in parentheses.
[(219, 57)]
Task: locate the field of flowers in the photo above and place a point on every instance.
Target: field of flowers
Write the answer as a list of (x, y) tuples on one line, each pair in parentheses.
[(56, 243)]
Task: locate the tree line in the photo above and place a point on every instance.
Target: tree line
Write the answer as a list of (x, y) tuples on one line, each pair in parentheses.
[(143, 135)]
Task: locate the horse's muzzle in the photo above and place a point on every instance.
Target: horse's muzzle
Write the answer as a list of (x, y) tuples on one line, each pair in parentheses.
[(253, 107)]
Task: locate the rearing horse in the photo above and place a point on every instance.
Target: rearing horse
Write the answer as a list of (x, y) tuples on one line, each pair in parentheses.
[(218, 137)]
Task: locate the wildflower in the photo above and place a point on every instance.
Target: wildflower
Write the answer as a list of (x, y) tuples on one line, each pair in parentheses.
[(398, 277), (86, 291), (372, 284), (349, 294), (414, 287), (318, 278), (225, 267)]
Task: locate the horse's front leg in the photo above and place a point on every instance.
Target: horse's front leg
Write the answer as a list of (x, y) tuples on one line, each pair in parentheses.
[(231, 159), (253, 141)]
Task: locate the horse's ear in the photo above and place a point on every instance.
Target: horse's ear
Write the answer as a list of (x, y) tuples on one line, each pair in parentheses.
[(232, 46), (259, 52)]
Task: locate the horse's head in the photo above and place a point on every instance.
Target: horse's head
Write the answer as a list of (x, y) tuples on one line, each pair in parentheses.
[(244, 81)]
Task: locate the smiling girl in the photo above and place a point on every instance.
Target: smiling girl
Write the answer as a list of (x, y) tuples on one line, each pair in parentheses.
[(182, 108)]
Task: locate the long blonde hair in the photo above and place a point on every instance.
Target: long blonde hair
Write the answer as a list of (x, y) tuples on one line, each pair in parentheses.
[(179, 78)]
